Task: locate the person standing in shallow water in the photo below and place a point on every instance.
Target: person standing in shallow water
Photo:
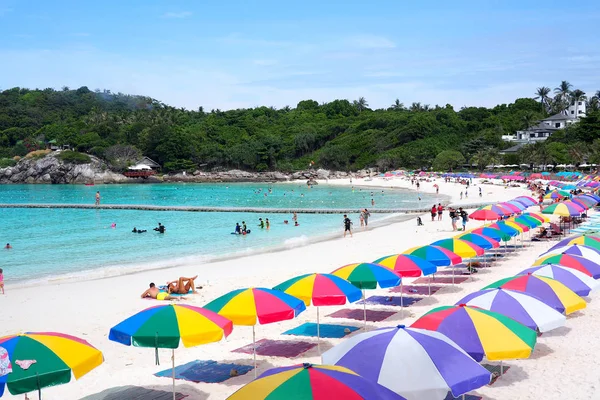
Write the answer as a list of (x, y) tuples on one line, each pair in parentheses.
[(98, 198), (347, 225)]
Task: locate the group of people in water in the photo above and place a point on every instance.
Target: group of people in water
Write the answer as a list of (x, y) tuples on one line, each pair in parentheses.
[(160, 229), (262, 224)]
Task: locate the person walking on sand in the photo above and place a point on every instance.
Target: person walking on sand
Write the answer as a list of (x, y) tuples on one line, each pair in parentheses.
[(433, 212), (480, 194), (452, 214), (366, 216), (2, 280), (347, 225), (466, 193), (98, 198), (465, 218), (362, 219), (461, 195), (440, 211)]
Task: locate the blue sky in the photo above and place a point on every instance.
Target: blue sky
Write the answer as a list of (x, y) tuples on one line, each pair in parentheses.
[(238, 54)]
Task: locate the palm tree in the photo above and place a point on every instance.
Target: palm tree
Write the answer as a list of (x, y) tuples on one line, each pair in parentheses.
[(594, 104), (361, 104), (579, 152), (397, 106), (542, 94), (577, 96), (529, 120), (416, 107), (562, 93)]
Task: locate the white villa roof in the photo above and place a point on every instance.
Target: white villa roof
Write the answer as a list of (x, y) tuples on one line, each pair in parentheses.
[(558, 117)]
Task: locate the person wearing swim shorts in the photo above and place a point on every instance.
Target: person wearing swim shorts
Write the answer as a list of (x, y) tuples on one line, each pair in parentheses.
[(347, 225)]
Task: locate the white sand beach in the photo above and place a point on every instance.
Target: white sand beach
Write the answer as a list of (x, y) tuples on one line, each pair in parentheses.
[(564, 364)]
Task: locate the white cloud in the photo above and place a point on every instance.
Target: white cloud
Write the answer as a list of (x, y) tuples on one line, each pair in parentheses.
[(372, 42), (182, 14)]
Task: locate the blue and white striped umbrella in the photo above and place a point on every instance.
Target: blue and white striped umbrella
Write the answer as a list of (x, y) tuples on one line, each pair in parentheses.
[(414, 363)]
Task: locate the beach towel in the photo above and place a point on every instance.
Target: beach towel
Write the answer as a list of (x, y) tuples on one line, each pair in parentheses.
[(415, 290), (325, 330), (358, 314), (208, 371), (444, 280), (395, 301), (277, 348), (5, 366)]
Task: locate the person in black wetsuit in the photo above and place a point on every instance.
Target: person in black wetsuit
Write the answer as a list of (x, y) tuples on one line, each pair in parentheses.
[(347, 225)]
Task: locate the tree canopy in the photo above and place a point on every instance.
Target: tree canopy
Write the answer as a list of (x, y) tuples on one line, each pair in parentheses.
[(341, 134)]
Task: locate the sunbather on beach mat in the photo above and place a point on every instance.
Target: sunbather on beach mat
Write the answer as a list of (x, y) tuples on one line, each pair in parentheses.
[(154, 293), (182, 285)]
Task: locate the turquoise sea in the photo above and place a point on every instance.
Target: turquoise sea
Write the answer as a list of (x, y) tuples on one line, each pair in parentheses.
[(51, 243)]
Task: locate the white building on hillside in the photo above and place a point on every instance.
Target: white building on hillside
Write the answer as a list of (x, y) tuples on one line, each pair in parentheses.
[(548, 126)]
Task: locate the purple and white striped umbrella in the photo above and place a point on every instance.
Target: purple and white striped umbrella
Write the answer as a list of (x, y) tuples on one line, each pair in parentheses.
[(586, 252), (522, 307), (414, 363), (575, 280)]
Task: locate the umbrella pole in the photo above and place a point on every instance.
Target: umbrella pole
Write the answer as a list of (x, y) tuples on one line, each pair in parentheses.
[(401, 300), (501, 369), (173, 363), (452, 274), (254, 350), (429, 286), (319, 337), (365, 308)]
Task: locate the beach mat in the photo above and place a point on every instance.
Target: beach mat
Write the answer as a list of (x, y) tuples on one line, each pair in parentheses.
[(392, 300), (466, 397), (443, 280), (134, 393), (495, 369), (325, 330), (277, 348), (415, 290), (456, 272), (208, 371), (357, 314)]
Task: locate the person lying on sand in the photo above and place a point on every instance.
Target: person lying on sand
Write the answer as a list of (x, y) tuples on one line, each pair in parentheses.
[(154, 293), (182, 286)]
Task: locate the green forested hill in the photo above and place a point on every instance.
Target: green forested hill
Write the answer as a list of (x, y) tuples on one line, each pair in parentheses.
[(338, 135)]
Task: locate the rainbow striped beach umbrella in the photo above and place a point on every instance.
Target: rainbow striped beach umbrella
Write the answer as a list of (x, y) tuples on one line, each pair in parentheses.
[(313, 382), (415, 363), (541, 217), (436, 255), (368, 275), (581, 264), (512, 207), (481, 333), (550, 291), (522, 307), (530, 201), (578, 282), (55, 357), (564, 209), (485, 242), (408, 266), (493, 233), (321, 290), (528, 221), (256, 305), (165, 326), (462, 248)]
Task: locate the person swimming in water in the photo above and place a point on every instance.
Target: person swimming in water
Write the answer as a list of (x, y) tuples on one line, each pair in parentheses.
[(261, 223), (267, 223), (160, 228), (8, 246), (244, 229), (238, 229), (154, 293)]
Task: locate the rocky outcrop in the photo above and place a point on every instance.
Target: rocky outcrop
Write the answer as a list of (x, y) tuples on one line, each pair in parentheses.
[(236, 175), (51, 169)]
